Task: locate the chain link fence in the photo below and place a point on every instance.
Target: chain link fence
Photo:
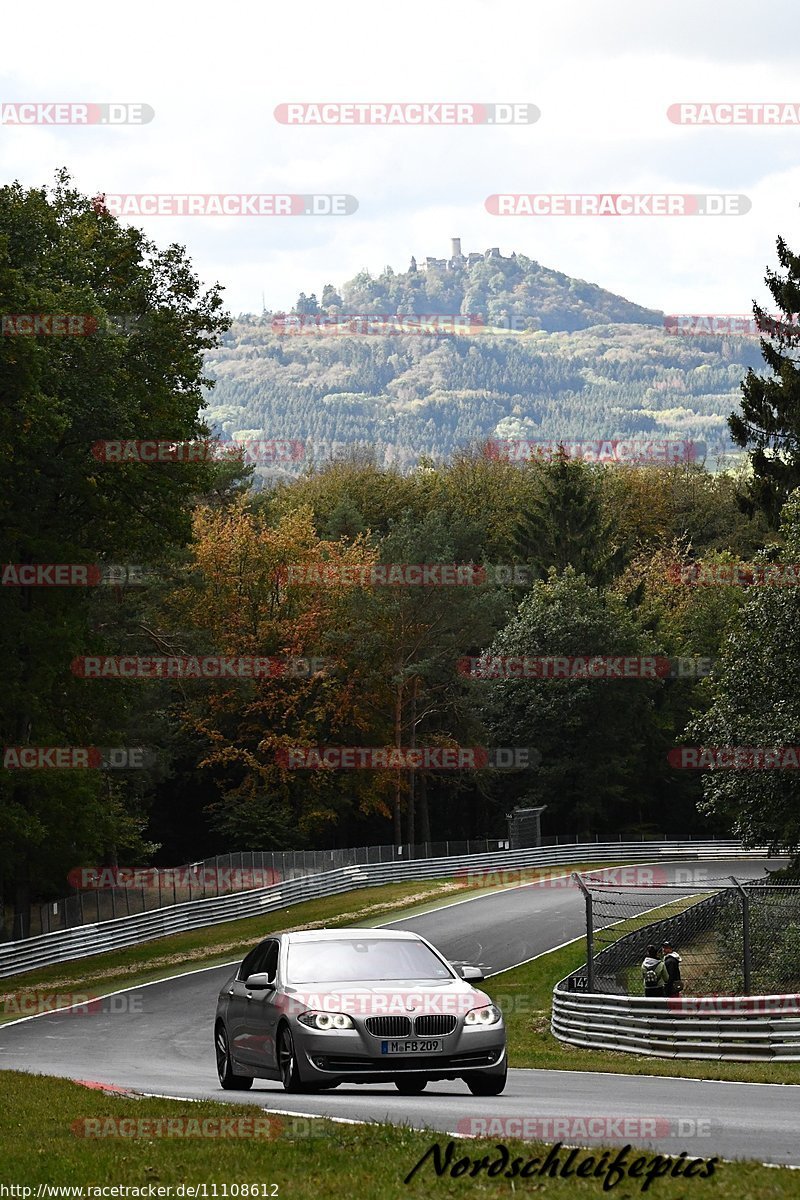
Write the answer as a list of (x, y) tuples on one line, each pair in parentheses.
[(734, 937)]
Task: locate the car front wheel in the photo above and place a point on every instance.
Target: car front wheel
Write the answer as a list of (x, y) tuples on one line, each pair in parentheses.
[(227, 1079), (410, 1085), (287, 1063), (486, 1084)]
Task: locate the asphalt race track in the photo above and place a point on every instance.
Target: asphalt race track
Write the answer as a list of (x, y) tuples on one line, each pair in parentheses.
[(157, 1040)]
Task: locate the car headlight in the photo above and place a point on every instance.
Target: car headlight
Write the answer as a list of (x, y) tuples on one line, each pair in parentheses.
[(325, 1020), (488, 1015)]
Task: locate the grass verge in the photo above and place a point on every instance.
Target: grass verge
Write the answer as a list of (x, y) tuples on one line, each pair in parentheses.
[(44, 1123)]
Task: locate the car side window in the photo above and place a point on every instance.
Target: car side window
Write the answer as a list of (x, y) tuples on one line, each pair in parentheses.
[(252, 962), (271, 961)]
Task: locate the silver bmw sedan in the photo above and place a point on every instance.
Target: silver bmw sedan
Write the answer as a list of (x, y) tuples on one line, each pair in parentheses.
[(321, 1007)]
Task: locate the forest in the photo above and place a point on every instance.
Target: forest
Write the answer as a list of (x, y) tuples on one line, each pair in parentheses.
[(546, 357), (349, 594)]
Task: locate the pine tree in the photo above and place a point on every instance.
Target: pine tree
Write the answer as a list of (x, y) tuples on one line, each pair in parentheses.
[(769, 424), (563, 523)]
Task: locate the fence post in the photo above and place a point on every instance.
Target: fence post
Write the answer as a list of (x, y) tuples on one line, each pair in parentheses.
[(589, 932), (745, 935)]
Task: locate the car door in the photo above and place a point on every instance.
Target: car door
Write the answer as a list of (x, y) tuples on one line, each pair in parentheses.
[(238, 1005), (260, 1012)]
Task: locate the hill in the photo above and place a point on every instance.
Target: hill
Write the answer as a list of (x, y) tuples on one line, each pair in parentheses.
[(550, 358)]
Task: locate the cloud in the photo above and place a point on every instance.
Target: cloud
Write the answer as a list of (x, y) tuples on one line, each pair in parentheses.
[(602, 75)]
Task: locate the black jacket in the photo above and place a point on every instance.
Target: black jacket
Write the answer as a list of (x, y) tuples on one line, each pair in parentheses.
[(672, 962)]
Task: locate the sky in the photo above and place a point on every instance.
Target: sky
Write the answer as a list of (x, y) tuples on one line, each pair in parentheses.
[(602, 75)]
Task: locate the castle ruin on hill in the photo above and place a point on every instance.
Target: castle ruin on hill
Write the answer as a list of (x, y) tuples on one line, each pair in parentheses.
[(457, 259)]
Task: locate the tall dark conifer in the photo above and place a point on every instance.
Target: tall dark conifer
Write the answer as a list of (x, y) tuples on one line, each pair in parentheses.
[(564, 525), (769, 424)]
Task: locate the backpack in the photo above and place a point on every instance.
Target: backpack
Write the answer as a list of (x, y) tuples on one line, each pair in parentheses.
[(651, 977)]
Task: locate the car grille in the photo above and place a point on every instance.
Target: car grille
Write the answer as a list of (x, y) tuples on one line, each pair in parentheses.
[(434, 1026), (389, 1027)]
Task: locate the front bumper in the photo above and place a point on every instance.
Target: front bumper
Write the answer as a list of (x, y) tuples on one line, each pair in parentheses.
[(354, 1055)]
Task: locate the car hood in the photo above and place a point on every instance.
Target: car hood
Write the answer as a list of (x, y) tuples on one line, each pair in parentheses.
[(381, 998)]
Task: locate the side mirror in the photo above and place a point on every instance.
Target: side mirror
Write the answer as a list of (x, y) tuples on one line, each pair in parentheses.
[(473, 974), (259, 982)]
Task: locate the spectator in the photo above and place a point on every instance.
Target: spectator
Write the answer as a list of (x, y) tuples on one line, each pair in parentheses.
[(672, 962), (654, 973)]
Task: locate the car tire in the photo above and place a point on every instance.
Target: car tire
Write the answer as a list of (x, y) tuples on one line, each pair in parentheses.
[(485, 1083), (410, 1085), (287, 1063), (227, 1079)]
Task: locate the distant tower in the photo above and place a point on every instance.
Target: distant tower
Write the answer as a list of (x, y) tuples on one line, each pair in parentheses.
[(413, 266), (456, 244)]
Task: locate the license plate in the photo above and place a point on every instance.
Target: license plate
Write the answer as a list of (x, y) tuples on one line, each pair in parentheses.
[(429, 1046)]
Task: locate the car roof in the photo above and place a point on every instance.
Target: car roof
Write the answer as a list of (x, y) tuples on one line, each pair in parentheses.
[(351, 935)]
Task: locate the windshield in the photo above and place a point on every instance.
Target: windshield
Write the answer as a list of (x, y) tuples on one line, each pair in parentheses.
[(373, 959)]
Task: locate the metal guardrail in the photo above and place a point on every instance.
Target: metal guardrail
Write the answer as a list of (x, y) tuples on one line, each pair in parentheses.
[(148, 888), (88, 940), (723, 1028)]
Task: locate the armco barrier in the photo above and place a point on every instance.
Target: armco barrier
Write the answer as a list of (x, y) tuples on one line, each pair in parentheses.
[(85, 940), (723, 1028)]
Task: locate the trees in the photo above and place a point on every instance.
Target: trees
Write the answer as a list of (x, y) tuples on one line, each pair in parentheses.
[(591, 734), (755, 702), (563, 523), (307, 305), (242, 596), (136, 378), (406, 644), (769, 425)]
